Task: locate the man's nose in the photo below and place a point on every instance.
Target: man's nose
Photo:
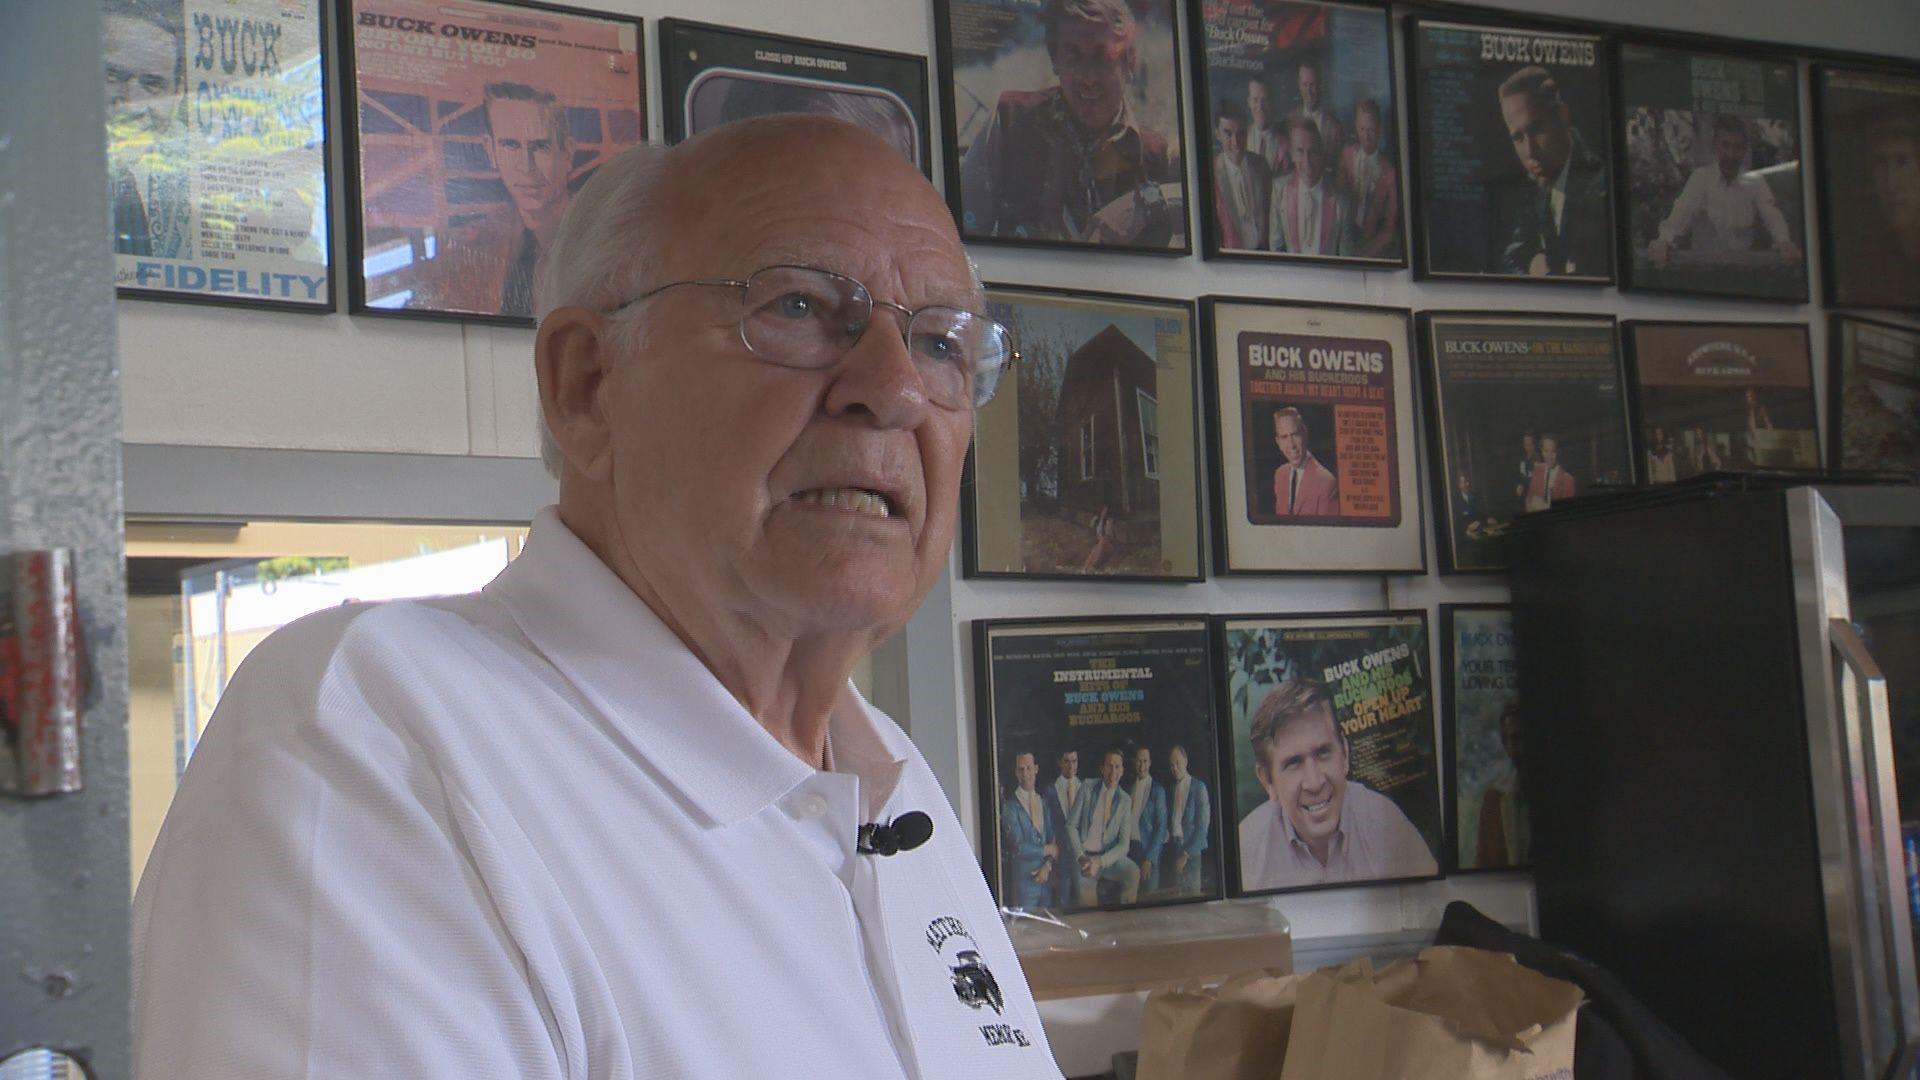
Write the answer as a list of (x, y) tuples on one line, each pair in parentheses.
[(878, 376)]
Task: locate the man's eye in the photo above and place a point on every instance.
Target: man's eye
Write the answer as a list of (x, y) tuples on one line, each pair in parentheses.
[(154, 86), (795, 305), (942, 347)]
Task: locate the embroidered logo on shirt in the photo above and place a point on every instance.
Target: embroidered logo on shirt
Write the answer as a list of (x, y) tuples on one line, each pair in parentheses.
[(973, 981)]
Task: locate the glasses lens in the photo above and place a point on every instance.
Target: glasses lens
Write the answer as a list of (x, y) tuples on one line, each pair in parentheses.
[(798, 317), (960, 355)]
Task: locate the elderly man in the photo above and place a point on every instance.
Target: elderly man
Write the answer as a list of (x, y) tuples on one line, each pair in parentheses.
[(610, 816), (1071, 161), (1317, 827), (488, 264)]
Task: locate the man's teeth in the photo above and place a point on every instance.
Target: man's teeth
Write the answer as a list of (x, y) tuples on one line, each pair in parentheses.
[(1314, 808), (859, 499)]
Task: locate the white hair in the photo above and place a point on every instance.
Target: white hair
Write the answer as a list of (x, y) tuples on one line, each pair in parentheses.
[(605, 247)]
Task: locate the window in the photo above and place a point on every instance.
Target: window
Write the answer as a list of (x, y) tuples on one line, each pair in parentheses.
[(1086, 448), (1149, 433)]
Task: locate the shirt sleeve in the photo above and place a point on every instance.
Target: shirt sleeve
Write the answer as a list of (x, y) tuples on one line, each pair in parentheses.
[(312, 909), (1770, 215)]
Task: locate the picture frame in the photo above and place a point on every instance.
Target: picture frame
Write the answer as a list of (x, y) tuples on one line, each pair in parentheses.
[(711, 74), (1870, 250), (1873, 395), (1738, 394), (1484, 213), (1343, 703), (1075, 697), (1339, 379), (1085, 465), (1711, 150), (1012, 161), (437, 229), (1565, 378), (219, 165), (1256, 71), (1487, 828)]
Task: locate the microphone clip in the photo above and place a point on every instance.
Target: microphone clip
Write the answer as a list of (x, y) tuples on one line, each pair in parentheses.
[(904, 833)]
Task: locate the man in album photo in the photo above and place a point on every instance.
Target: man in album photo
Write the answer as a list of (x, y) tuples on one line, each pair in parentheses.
[(1302, 486), (1070, 161), (1503, 835), (1724, 210), (1030, 850), (1368, 178), (1313, 108), (1264, 136), (1550, 482), (1317, 827), (1242, 183), (1562, 225), (1063, 798), (489, 263), (1189, 823), (1309, 215), (1149, 833), (143, 42), (1102, 827)]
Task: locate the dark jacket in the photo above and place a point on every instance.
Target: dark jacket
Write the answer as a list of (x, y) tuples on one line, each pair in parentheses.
[(1583, 244)]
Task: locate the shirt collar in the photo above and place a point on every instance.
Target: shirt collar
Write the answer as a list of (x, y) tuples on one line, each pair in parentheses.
[(661, 699)]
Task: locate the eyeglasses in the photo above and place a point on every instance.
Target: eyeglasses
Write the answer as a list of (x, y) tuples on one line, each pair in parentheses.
[(802, 317)]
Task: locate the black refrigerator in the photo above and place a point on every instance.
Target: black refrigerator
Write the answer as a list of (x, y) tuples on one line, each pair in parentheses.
[(1721, 687)]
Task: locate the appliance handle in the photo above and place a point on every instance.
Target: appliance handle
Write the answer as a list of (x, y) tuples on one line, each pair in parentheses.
[(1883, 811)]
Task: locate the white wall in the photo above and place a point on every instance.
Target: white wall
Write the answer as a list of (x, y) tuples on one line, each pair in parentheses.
[(203, 376)]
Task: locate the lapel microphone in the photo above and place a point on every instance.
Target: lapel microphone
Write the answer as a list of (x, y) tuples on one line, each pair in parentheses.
[(904, 833)]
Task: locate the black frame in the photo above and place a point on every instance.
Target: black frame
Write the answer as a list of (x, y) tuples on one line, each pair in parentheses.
[(325, 59), (1215, 419), (1417, 165), (1449, 736), (1210, 248), (950, 155), (1223, 720), (1834, 444), (1823, 164), (1636, 400), (350, 123), (969, 503), (1623, 208), (1436, 434), (987, 759), (674, 84)]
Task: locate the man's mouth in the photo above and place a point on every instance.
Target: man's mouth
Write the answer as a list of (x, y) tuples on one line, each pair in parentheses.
[(858, 500), (1317, 807)]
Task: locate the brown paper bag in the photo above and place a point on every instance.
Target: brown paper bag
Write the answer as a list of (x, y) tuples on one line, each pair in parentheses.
[(1448, 1014), (1234, 1031)]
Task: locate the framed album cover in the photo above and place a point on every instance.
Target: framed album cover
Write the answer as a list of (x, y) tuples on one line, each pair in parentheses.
[(1297, 98), (1711, 397), (1029, 162), (1099, 783), (1868, 124), (1523, 411), (713, 74), (1510, 153), (1487, 826), (1311, 445), (1086, 463), (1334, 770), (1874, 393), (217, 151), (472, 128), (1710, 164)]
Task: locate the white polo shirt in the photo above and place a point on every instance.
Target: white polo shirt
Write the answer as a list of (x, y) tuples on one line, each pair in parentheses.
[(525, 833)]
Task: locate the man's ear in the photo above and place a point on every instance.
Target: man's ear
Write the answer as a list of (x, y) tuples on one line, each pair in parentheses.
[(572, 358)]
